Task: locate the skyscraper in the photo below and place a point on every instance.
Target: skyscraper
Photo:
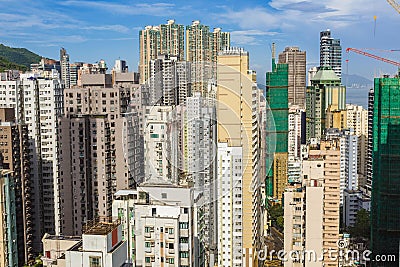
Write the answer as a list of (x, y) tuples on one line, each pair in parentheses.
[(296, 61), (201, 164), (357, 118), (65, 68), (38, 103), (199, 53), (93, 165), (161, 144), (368, 183), (15, 191), (170, 81), (330, 52), (385, 234), (202, 47), (277, 128), (239, 195), (172, 39), (311, 212), (165, 39), (150, 47), (325, 94)]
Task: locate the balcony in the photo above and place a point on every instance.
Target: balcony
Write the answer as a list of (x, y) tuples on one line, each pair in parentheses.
[(171, 236), (185, 261), (184, 232), (184, 247)]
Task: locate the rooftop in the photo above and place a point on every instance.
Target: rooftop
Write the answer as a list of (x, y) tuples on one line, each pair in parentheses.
[(100, 226), (325, 74), (61, 237)]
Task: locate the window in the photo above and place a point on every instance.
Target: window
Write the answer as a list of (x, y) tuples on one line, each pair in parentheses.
[(184, 240), (183, 225), (148, 229), (147, 259), (184, 254), (170, 260), (94, 262)]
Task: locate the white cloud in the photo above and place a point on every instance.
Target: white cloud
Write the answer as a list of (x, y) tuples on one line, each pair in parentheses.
[(155, 9), (300, 14), (249, 37), (116, 28)]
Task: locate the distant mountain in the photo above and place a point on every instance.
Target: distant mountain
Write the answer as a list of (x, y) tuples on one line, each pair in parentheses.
[(18, 56), (356, 81)]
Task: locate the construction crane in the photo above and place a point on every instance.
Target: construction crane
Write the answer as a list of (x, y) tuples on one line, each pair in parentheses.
[(394, 4), (358, 51)]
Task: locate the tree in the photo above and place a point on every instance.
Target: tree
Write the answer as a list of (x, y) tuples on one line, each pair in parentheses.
[(276, 215), (362, 226)]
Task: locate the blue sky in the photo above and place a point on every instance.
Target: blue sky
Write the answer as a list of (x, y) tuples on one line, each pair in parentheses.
[(94, 30)]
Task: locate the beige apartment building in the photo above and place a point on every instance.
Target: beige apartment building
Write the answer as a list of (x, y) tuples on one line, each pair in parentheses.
[(239, 186), (311, 213)]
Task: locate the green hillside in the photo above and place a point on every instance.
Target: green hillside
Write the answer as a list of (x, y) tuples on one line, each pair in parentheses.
[(19, 56), (7, 65)]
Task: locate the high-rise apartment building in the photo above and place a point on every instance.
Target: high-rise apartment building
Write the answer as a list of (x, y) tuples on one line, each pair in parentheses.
[(296, 61), (201, 165), (357, 119), (330, 52), (154, 40), (324, 93), (65, 68), (16, 188), (8, 230), (38, 103), (385, 223), (368, 182), (172, 39), (202, 48), (199, 53), (348, 162), (239, 196), (161, 144), (311, 213), (94, 163), (296, 137), (149, 43), (170, 81), (158, 224), (277, 126)]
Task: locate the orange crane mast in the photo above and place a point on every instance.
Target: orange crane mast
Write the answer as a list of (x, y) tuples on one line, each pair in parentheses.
[(394, 4)]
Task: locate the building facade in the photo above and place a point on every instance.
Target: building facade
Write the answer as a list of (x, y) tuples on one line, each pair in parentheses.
[(296, 61), (158, 224), (277, 122), (330, 52), (38, 103), (239, 188), (385, 234)]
